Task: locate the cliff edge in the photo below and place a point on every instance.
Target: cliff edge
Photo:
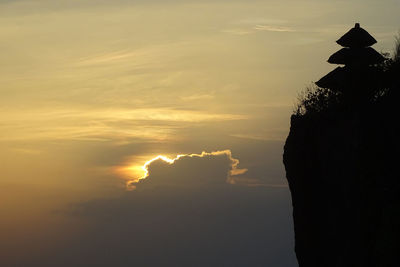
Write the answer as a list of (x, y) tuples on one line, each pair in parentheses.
[(341, 164)]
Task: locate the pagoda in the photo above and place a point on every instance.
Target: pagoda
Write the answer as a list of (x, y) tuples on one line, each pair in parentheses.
[(358, 74)]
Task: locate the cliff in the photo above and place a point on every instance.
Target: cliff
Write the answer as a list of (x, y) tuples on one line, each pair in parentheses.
[(341, 165)]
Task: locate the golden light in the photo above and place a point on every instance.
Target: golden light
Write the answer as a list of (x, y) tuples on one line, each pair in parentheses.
[(145, 167), (141, 171)]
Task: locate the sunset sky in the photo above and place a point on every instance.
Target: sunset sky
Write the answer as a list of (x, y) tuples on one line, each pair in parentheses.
[(92, 91)]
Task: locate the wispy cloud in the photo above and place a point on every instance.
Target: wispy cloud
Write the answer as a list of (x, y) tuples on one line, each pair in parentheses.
[(260, 20), (254, 25), (272, 28), (103, 124), (197, 97), (107, 58), (238, 31)]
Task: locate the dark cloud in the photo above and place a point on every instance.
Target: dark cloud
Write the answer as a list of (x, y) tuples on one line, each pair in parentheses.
[(205, 169), (184, 214), (217, 226)]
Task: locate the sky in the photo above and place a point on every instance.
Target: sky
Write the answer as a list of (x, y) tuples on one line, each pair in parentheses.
[(151, 132)]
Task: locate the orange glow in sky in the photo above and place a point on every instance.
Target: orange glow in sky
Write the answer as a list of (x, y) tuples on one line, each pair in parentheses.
[(95, 92), (145, 167), (142, 171)]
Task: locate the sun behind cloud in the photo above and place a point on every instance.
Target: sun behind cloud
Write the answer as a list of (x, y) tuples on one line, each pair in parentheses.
[(145, 167), (213, 158)]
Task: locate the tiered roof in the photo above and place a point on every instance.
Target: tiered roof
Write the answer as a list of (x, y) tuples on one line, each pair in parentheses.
[(361, 56), (356, 37), (356, 54)]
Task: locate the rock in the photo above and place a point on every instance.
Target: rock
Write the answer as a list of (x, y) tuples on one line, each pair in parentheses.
[(343, 176)]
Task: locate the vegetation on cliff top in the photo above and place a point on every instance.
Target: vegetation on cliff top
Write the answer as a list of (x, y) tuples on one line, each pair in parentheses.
[(316, 100)]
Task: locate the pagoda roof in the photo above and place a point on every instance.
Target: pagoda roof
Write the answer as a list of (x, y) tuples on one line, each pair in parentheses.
[(362, 56), (334, 80), (356, 37)]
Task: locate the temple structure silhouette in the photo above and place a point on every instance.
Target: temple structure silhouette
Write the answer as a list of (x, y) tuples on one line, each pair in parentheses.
[(358, 58)]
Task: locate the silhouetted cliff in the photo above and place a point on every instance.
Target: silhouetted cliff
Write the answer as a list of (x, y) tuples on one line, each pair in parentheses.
[(341, 164)]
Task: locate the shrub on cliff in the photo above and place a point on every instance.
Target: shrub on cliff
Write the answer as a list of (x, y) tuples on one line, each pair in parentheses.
[(316, 100), (382, 85)]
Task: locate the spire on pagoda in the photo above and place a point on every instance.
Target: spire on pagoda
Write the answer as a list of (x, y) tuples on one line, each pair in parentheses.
[(356, 55), (356, 37)]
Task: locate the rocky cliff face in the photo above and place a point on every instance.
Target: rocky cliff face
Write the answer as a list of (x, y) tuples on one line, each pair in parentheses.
[(342, 169)]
